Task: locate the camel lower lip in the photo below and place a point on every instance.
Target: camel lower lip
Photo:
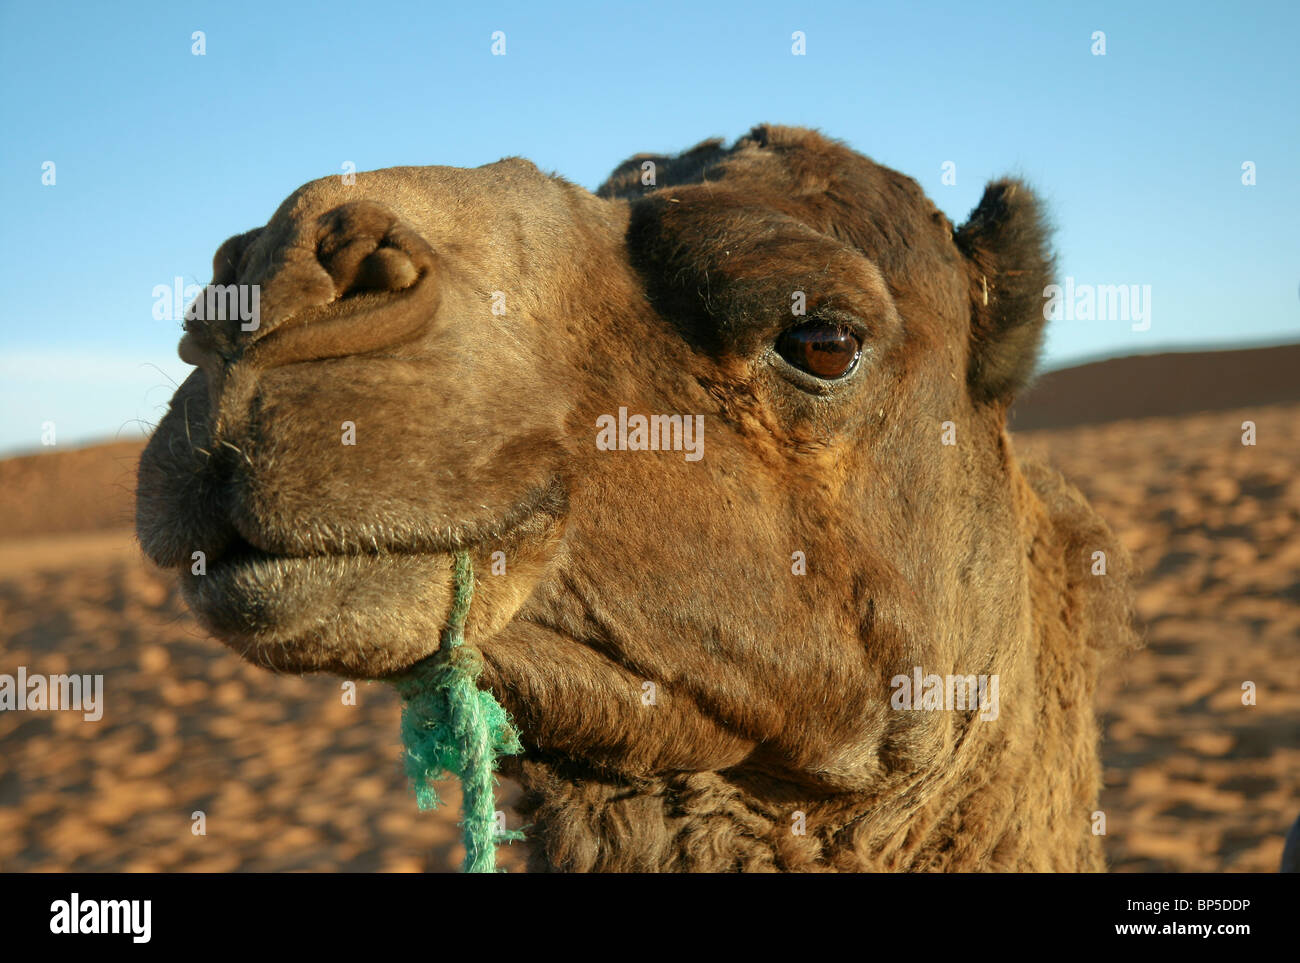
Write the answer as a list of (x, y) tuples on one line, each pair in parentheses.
[(247, 562), (334, 612), (248, 558), (260, 580), (322, 612)]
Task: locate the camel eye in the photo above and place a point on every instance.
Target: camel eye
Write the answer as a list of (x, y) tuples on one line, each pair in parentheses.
[(825, 350)]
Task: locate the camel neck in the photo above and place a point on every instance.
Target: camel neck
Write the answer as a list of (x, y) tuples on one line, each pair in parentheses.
[(707, 822), (581, 821)]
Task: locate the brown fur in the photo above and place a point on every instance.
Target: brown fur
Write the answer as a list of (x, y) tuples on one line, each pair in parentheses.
[(477, 430)]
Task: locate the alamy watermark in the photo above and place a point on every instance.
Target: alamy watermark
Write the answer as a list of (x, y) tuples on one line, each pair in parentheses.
[(1099, 302), (651, 433), (40, 693), (209, 302), (131, 917), (919, 692)]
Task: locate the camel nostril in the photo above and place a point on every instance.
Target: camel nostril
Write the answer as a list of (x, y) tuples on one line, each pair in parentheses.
[(365, 247), (385, 269), (310, 304)]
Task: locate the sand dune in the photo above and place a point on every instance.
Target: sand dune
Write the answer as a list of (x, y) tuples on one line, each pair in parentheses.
[(77, 490), (290, 778), (1154, 385)]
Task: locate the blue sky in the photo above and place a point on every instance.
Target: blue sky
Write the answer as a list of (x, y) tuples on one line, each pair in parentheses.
[(160, 155)]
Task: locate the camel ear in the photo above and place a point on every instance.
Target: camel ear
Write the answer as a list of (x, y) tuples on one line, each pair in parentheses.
[(633, 178), (1007, 243)]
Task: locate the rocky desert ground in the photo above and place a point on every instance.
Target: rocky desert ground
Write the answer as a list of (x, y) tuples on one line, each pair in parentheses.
[(289, 777)]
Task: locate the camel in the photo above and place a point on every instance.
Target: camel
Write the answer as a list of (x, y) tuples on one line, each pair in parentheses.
[(703, 654)]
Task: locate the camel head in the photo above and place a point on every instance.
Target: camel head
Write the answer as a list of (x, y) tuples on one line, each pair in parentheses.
[(725, 442)]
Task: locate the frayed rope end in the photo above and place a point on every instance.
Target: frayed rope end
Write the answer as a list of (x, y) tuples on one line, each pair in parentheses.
[(452, 727)]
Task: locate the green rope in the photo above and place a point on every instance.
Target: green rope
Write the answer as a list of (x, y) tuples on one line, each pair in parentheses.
[(451, 726)]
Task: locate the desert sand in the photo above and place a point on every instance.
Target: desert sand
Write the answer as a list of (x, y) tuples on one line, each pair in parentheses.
[(288, 777)]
